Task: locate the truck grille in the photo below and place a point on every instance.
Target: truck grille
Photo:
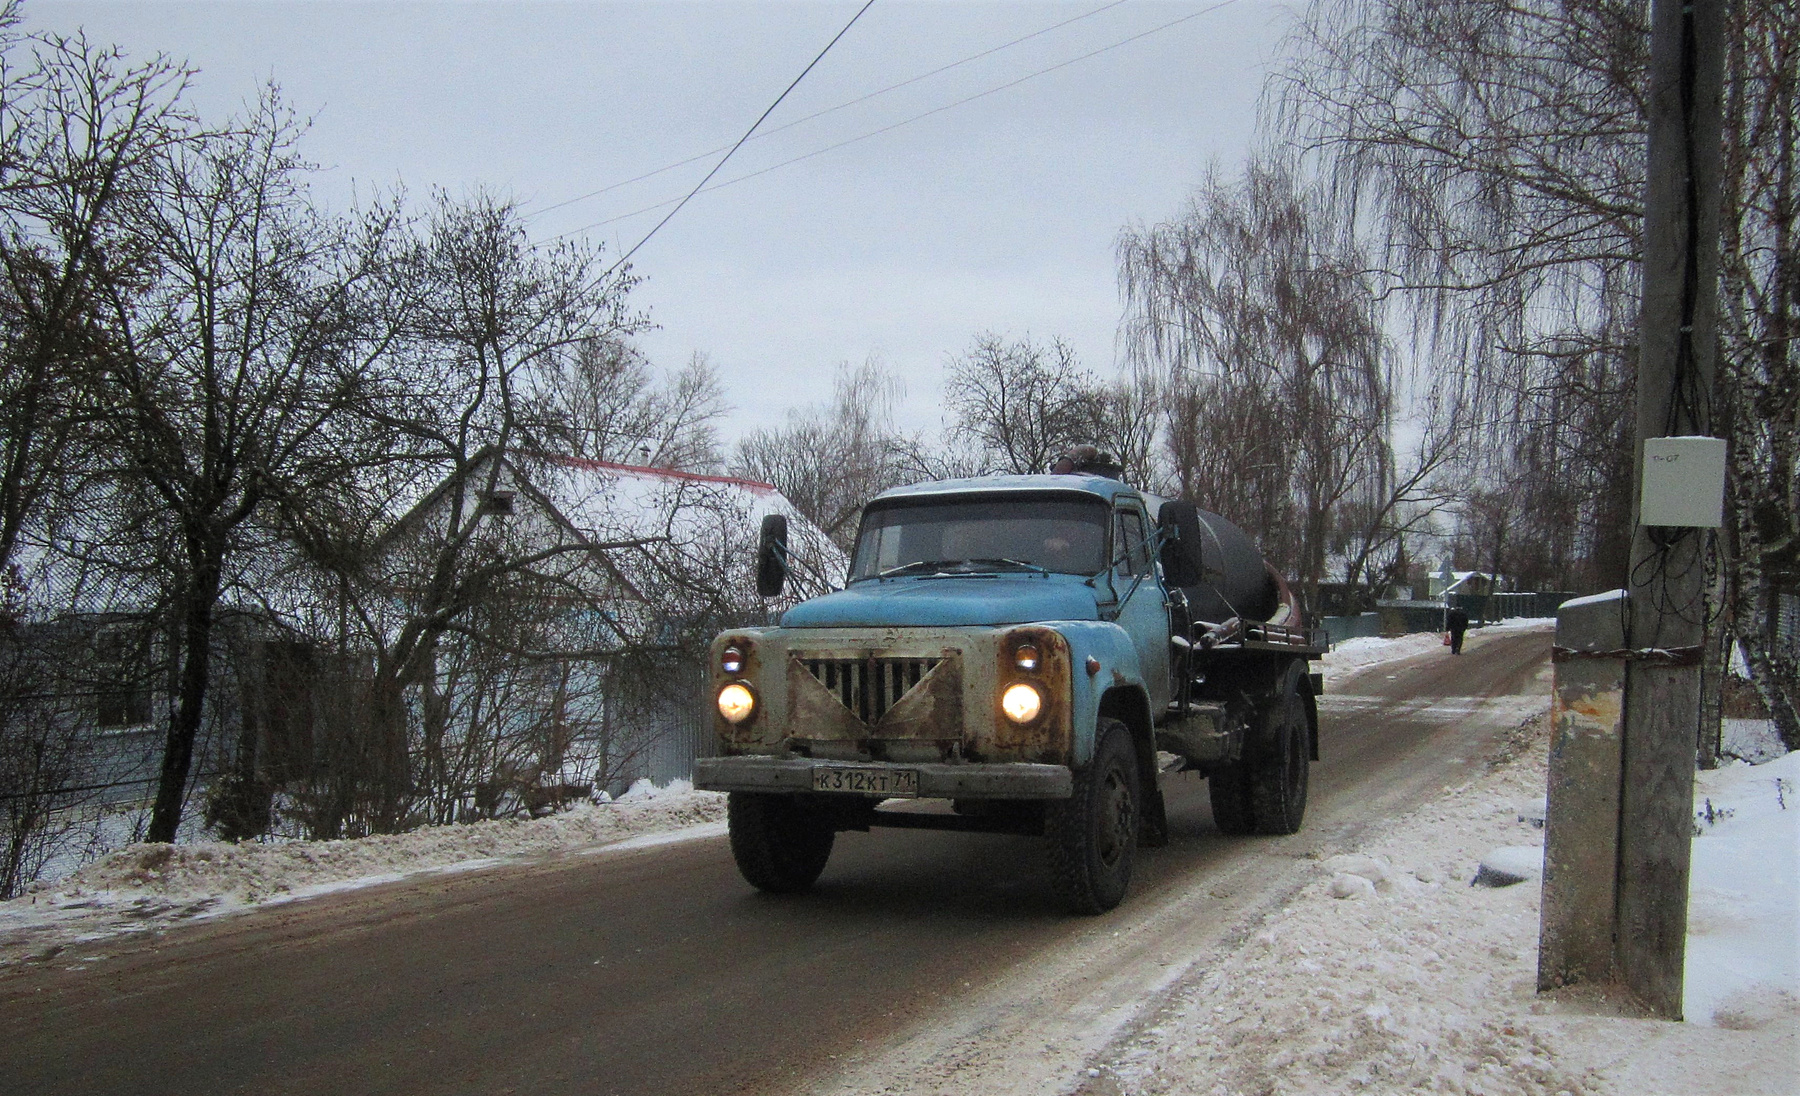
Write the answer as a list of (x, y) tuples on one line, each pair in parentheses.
[(869, 686)]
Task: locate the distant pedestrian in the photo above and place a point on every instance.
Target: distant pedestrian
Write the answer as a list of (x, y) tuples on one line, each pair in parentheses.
[(1457, 622)]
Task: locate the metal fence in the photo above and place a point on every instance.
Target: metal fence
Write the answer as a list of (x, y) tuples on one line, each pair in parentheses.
[(1340, 628)]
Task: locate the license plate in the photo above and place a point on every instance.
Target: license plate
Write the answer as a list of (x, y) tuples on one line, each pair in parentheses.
[(893, 783)]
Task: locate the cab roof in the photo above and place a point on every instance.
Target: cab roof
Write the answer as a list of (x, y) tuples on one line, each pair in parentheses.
[(1097, 486)]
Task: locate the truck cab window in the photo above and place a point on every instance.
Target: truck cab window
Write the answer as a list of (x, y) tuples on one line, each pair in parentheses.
[(1062, 535), (1131, 544)]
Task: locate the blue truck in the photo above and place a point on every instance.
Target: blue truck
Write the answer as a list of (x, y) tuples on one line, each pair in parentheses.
[(1042, 651)]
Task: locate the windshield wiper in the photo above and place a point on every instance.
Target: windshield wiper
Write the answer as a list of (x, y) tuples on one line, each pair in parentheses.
[(943, 565), (1019, 563), (918, 565)]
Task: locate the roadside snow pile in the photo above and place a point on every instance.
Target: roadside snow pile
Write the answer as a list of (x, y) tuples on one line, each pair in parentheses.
[(1390, 972), (131, 889), (1519, 624), (1743, 957), (1365, 651)]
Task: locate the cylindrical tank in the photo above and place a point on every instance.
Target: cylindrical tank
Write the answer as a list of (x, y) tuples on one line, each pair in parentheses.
[(1233, 578)]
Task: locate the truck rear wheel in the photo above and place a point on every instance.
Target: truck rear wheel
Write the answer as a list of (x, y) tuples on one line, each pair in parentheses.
[(1265, 791), (1228, 786), (779, 846), (1278, 782), (1093, 833)]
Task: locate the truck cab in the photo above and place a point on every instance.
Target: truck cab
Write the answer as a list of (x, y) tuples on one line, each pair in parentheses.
[(1023, 647)]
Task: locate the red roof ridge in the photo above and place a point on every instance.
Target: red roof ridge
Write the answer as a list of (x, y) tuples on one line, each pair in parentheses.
[(667, 473)]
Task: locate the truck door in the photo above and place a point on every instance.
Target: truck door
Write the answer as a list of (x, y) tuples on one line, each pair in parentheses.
[(1144, 614)]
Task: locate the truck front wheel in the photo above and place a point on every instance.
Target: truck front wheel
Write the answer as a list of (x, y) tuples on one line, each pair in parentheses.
[(1093, 833), (779, 846)]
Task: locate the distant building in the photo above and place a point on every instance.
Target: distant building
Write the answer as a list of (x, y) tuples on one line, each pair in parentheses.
[(289, 671), (1467, 583), (636, 716)]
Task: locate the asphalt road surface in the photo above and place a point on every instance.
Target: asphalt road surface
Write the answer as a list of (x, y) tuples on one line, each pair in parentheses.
[(659, 971)]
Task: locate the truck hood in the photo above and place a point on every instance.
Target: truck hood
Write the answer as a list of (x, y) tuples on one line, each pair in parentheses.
[(948, 602)]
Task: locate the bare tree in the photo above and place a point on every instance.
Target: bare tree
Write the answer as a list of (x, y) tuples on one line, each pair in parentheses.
[(80, 129), (829, 461), (1279, 404), (1495, 153), (606, 402), (1023, 404), (493, 323), (1758, 398), (227, 381)]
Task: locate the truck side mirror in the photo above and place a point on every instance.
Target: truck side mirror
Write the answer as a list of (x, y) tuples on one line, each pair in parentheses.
[(1179, 523), (772, 556)]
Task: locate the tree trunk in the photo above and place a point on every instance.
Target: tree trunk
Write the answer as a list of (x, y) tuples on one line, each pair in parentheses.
[(190, 702)]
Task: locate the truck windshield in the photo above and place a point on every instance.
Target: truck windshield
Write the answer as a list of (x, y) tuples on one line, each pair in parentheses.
[(1052, 534)]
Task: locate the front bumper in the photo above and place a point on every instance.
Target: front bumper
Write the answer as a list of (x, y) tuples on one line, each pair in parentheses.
[(937, 780)]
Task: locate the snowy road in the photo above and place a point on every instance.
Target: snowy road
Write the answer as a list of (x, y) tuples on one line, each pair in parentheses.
[(923, 962)]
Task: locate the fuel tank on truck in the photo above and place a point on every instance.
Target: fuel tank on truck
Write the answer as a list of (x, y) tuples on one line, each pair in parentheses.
[(1235, 580)]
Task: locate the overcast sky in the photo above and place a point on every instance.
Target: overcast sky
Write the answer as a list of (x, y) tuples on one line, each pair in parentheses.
[(1000, 214)]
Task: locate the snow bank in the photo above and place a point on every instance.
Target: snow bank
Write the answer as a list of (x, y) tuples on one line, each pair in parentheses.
[(1743, 954), (1365, 651), (1390, 972), (1520, 624), (143, 886), (1354, 655)]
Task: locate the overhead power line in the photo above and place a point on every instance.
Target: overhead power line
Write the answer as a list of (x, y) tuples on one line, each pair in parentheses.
[(831, 110), (623, 259), (704, 189)]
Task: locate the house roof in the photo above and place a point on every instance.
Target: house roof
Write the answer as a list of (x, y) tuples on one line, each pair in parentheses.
[(1460, 577), (593, 500), (604, 466), (710, 520)]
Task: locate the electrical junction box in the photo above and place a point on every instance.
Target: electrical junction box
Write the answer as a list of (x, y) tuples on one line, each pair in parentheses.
[(1683, 483)]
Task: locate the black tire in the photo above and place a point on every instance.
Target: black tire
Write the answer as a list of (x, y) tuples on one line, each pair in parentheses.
[(1278, 780), (1093, 833), (779, 846), (1228, 786), (1153, 826)]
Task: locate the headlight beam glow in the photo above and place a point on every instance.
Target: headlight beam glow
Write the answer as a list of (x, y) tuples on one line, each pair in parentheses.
[(736, 702), (1021, 702)]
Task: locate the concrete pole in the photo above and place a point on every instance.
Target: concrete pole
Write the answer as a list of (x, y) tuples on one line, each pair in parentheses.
[(1581, 823), (1677, 353)]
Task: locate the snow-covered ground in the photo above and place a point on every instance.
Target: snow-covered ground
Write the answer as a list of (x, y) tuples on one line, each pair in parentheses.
[(1392, 972), (1743, 954)]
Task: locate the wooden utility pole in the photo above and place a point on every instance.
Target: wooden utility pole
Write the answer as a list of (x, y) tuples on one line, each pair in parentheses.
[(1677, 353)]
